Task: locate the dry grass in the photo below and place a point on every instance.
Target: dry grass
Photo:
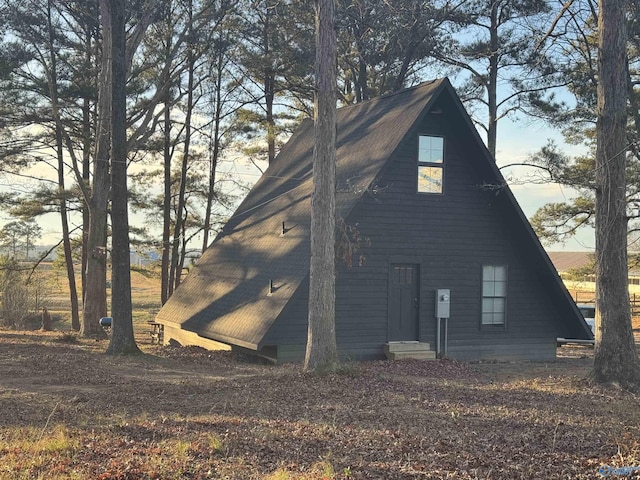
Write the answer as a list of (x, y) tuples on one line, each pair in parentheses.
[(145, 294), (69, 411)]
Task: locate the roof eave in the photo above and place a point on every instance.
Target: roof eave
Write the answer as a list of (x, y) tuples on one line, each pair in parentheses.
[(229, 340)]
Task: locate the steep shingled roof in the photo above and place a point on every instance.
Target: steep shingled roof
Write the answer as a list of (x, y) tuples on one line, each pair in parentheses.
[(225, 296)]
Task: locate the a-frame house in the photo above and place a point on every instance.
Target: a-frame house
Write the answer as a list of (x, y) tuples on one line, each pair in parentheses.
[(441, 234)]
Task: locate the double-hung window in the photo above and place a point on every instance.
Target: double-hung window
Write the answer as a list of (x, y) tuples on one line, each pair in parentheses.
[(494, 295), (430, 164)]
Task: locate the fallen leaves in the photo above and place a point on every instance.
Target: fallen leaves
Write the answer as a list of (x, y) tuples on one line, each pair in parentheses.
[(190, 413)]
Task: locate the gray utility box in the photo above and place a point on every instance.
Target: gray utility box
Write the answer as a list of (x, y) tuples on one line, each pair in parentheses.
[(443, 303)]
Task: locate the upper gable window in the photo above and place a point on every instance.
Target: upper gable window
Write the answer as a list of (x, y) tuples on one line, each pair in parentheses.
[(430, 164)]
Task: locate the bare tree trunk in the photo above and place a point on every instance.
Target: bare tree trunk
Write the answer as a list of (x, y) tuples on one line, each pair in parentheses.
[(269, 84), (214, 153), (68, 256), (166, 205), (95, 293), (615, 358), (122, 339), (492, 86), (179, 228), (182, 255), (86, 161), (167, 154), (66, 241), (47, 323), (269, 95), (363, 80), (86, 156), (321, 351)]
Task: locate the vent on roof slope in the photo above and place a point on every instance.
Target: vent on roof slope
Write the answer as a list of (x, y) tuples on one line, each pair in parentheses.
[(286, 229)]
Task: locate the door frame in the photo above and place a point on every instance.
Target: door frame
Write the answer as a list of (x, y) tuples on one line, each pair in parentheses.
[(415, 303)]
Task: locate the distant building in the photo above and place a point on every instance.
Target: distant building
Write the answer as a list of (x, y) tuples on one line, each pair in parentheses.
[(566, 262)]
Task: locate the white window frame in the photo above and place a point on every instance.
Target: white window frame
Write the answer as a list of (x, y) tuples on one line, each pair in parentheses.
[(493, 312), (430, 164)]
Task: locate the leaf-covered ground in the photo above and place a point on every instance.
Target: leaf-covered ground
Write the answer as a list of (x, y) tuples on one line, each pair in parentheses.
[(69, 411)]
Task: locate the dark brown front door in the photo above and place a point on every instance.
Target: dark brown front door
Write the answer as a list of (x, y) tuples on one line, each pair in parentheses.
[(403, 302)]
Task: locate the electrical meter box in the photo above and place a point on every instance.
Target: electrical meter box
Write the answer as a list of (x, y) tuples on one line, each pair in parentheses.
[(443, 302)]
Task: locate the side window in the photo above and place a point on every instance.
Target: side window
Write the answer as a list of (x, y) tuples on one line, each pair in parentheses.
[(494, 295), (430, 164)]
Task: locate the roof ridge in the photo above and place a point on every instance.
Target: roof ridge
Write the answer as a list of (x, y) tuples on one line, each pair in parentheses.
[(392, 94)]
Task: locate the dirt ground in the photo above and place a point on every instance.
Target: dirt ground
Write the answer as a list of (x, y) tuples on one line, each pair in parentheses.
[(67, 410)]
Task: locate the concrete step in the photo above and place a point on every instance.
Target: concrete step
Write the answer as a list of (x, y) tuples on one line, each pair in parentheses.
[(407, 346), (400, 350), (427, 355)]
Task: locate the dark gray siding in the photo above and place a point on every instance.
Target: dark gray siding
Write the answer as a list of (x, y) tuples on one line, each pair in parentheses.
[(450, 237), (290, 331)]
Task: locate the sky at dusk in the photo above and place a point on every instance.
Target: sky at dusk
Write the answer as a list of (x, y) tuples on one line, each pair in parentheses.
[(517, 140)]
